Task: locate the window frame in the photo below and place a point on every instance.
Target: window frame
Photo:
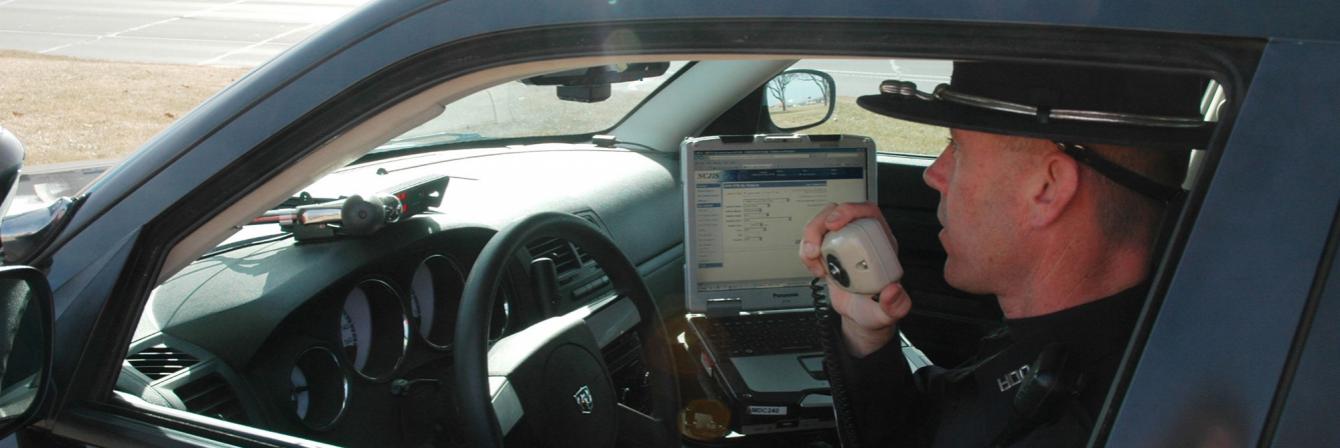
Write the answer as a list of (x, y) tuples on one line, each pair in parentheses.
[(1228, 60)]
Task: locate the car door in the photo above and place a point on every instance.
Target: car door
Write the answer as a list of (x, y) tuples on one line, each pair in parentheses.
[(1227, 346), (269, 126), (1303, 404)]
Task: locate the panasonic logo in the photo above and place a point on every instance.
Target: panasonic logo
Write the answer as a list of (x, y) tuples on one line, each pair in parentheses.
[(781, 294)]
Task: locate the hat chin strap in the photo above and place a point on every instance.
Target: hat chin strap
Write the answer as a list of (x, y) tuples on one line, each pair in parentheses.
[(1119, 174), (907, 89)]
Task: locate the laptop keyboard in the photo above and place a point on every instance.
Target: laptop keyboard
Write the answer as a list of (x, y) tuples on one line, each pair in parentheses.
[(763, 334)]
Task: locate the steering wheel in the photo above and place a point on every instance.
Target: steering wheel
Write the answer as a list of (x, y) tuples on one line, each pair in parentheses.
[(552, 373)]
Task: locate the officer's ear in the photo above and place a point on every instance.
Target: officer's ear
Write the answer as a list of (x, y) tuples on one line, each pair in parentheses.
[(1053, 188)]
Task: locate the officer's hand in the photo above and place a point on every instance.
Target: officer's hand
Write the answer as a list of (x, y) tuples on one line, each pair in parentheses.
[(833, 217), (866, 325)]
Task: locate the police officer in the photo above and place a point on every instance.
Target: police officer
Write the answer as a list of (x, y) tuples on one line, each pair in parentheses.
[(1052, 188)]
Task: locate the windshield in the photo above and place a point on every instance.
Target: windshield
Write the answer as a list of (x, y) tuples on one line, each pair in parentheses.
[(514, 110)]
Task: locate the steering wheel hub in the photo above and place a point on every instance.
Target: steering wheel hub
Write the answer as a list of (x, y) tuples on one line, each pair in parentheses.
[(578, 399)]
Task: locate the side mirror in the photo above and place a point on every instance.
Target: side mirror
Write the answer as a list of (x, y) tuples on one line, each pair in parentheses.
[(800, 99), (24, 234), (25, 345), (11, 159)]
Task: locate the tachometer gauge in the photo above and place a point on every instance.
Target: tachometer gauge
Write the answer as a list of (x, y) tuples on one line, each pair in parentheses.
[(318, 389), (374, 329)]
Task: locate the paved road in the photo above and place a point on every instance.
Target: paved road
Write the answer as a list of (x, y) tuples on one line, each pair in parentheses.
[(862, 77), (241, 33)]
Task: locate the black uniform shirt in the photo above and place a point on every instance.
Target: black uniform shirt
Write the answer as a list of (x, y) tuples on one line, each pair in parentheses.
[(970, 405)]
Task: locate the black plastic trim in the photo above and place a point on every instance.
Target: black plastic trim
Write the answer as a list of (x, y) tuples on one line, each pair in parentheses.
[(110, 425)]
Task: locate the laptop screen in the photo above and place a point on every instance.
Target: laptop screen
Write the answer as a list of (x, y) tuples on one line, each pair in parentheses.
[(750, 207)]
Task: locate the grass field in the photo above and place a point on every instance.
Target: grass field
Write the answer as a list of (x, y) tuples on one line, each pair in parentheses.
[(797, 115), (66, 109)]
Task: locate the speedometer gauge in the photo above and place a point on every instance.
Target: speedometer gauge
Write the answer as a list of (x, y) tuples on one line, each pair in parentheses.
[(355, 319), (435, 293), (348, 335), (373, 329)]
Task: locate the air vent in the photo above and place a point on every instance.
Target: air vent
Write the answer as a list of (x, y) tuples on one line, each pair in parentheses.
[(628, 373), (582, 255), (590, 217), (565, 257), (160, 361), (624, 353), (212, 397)]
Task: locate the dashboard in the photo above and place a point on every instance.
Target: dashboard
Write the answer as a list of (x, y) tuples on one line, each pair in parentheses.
[(349, 341)]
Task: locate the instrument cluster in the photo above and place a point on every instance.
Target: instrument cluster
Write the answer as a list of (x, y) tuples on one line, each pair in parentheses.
[(380, 320)]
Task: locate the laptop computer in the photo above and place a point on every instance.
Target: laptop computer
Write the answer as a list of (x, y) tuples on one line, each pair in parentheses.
[(752, 321)]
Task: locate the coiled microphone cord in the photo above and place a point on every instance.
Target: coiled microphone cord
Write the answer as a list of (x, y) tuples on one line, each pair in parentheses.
[(829, 325)]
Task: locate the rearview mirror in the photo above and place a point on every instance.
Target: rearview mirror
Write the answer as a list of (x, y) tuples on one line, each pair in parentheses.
[(799, 99), (25, 345), (592, 84)]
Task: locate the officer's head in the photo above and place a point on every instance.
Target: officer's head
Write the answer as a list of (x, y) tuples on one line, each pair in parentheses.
[(1049, 163)]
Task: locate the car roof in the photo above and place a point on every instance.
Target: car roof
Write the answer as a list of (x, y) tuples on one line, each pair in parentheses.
[(1289, 19)]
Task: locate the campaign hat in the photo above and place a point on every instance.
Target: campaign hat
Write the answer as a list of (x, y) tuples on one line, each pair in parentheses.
[(1063, 103)]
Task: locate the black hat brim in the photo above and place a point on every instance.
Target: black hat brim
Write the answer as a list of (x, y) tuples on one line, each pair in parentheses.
[(953, 115)]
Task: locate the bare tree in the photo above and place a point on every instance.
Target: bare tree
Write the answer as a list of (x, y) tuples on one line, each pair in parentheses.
[(777, 87), (823, 86)]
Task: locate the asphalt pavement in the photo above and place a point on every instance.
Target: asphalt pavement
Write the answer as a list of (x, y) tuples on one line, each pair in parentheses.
[(856, 77), (237, 33)]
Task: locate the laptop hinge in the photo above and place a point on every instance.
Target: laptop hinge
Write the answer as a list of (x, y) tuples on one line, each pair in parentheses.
[(724, 306)]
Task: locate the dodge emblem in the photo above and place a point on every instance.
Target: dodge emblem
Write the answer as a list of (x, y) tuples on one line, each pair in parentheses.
[(585, 402)]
